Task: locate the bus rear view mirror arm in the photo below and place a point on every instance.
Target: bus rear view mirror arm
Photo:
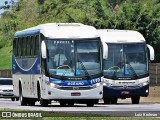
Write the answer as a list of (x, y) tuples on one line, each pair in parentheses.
[(105, 50), (151, 52), (43, 50)]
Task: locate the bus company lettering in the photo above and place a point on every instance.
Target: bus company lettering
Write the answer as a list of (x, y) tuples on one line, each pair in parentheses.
[(75, 83), (63, 42), (93, 81)]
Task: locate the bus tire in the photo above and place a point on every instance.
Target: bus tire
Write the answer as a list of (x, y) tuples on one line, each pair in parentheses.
[(63, 103), (23, 100), (17, 98), (31, 102), (135, 100), (114, 100), (70, 104), (13, 99), (90, 104), (106, 100), (43, 102)]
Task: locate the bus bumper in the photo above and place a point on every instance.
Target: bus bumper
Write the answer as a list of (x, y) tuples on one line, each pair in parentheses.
[(55, 94), (109, 92)]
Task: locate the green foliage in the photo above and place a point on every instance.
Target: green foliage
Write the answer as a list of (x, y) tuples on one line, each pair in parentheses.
[(5, 61), (140, 15)]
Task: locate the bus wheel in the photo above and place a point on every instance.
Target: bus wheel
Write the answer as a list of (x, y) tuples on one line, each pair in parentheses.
[(13, 99), (114, 100), (43, 102), (70, 104), (31, 102), (135, 100), (23, 100), (62, 103), (17, 99), (106, 100), (90, 104)]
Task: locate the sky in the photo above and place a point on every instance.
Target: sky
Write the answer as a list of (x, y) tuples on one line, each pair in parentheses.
[(2, 3)]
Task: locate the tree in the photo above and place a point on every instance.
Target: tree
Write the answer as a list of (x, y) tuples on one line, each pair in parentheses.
[(40, 2)]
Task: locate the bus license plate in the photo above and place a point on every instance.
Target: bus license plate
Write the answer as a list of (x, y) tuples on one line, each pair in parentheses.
[(76, 94), (124, 92)]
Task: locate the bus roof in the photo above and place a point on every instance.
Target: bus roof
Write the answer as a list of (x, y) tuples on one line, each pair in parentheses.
[(61, 30), (120, 36)]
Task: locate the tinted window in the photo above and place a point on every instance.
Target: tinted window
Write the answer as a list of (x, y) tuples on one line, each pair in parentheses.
[(6, 82), (36, 45), (126, 60)]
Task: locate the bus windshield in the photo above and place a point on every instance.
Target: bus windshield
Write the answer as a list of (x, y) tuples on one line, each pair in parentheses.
[(126, 60), (6, 82), (73, 57)]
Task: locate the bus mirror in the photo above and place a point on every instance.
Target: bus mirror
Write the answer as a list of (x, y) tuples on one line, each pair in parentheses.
[(151, 52), (43, 50), (105, 50)]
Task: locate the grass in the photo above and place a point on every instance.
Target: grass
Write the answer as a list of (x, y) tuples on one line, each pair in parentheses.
[(98, 118), (6, 58)]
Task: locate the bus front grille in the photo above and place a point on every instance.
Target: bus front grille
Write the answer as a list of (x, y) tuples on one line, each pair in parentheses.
[(76, 88), (125, 87)]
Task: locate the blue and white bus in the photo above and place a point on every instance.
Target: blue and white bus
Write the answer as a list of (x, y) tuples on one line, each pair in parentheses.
[(58, 61), (126, 70)]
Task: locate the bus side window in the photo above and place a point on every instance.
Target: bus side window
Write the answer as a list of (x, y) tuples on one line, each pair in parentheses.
[(14, 47), (28, 46), (32, 46), (36, 45), (22, 46), (19, 47)]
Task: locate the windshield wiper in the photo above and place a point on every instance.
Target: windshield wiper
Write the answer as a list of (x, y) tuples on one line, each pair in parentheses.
[(135, 74), (85, 70)]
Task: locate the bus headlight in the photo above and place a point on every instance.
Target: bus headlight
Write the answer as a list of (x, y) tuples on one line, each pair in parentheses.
[(96, 85), (144, 83), (106, 83), (53, 85)]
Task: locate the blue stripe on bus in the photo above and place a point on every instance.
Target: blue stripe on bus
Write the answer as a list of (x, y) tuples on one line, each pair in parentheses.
[(17, 69), (26, 33), (75, 82)]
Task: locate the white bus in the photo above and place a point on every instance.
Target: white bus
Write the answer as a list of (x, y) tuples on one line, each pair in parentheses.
[(126, 70), (58, 61)]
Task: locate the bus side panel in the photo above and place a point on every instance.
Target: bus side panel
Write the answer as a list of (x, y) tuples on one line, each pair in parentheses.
[(15, 85), (27, 78), (24, 81)]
